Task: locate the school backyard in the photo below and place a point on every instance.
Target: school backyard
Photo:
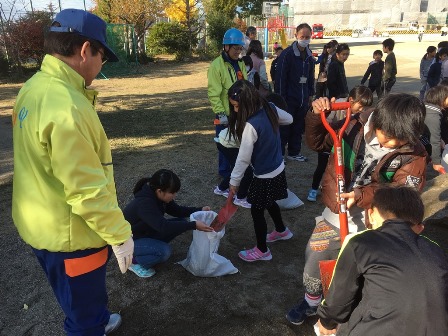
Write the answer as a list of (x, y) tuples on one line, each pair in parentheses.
[(161, 118)]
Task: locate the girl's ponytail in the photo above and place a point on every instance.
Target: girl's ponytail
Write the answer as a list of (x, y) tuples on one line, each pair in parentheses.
[(139, 185)]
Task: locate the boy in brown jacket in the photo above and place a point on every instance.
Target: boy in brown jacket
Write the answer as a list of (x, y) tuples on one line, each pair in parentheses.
[(380, 146)]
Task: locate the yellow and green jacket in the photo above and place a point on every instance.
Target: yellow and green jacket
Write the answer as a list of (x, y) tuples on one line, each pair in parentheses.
[(64, 196), (221, 76)]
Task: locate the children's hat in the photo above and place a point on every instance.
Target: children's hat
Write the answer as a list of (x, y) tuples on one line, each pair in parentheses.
[(85, 24)]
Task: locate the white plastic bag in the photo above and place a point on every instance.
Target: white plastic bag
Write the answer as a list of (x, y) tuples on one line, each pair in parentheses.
[(291, 202), (317, 332), (203, 259)]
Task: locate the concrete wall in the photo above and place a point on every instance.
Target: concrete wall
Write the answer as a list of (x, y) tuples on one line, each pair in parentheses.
[(351, 14)]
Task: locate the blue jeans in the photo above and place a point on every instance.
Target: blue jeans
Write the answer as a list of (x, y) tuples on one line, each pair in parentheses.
[(291, 135), (224, 168), (149, 252)]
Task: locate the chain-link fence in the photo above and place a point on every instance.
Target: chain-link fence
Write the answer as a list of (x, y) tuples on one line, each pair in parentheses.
[(121, 39)]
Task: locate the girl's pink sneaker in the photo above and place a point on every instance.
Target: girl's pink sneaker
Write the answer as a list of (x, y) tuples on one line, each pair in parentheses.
[(255, 254)]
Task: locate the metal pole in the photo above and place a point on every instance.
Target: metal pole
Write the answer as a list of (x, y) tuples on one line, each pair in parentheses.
[(85, 5), (60, 8), (31, 3), (266, 40)]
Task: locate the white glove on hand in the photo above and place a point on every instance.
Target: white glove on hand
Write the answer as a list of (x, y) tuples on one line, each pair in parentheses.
[(223, 120), (124, 253)]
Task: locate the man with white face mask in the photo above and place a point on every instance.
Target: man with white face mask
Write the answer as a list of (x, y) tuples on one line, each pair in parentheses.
[(294, 81)]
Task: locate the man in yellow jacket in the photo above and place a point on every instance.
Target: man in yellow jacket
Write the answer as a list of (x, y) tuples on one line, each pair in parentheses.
[(225, 70), (64, 198)]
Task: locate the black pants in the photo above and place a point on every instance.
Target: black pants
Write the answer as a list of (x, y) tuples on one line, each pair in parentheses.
[(322, 160), (321, 89), (376, 89), (386, 86), (260, 225)]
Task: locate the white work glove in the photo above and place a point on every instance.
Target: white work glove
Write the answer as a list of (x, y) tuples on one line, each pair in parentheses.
[(124, 253), (223, 120)]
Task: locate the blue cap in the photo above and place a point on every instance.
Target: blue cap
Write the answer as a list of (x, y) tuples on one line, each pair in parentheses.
[(85, 24)]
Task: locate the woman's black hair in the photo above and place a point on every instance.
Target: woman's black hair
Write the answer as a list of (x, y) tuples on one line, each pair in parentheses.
[(255, 48), (400, 202), (249, 102), (341, 47), (327, 46), (442, 51), (335, 42), (163, 179), (400, 116), (248, 61), (429, 50)]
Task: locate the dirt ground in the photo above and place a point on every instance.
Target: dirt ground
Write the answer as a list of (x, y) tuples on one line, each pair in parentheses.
[(160, 118)]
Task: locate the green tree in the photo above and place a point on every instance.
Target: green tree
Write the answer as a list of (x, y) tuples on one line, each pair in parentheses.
[(139, 13), (219, 16), (217, 26), (168, 37), (226, 8), (103, 9), (187, 13), (25, 37), (250, 7)]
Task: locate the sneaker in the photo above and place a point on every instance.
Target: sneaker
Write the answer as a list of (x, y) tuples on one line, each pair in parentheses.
[(113, 324), (298, 157), (141, 271), (275, 235), (312, 195), (220, 192), (242, 202), (300, 312), (254, 255)]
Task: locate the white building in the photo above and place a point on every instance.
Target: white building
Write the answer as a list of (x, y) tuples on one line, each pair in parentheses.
[(352, 14)]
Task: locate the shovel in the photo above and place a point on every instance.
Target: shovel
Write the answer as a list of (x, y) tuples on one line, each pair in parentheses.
[(224, 214), (327, 266)]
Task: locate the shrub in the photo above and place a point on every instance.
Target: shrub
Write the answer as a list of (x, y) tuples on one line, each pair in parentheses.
[(170, 38)]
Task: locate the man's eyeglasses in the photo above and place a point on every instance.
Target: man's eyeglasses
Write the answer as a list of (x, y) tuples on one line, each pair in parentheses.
[(237, 48), (104, 58)]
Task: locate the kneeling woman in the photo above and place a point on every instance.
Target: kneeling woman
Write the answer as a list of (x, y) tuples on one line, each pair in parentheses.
[(152, 232)]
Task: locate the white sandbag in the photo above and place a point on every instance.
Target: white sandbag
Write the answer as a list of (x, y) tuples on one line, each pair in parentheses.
[(291, 202), (317, 332), (444, 160), (203, 259)]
